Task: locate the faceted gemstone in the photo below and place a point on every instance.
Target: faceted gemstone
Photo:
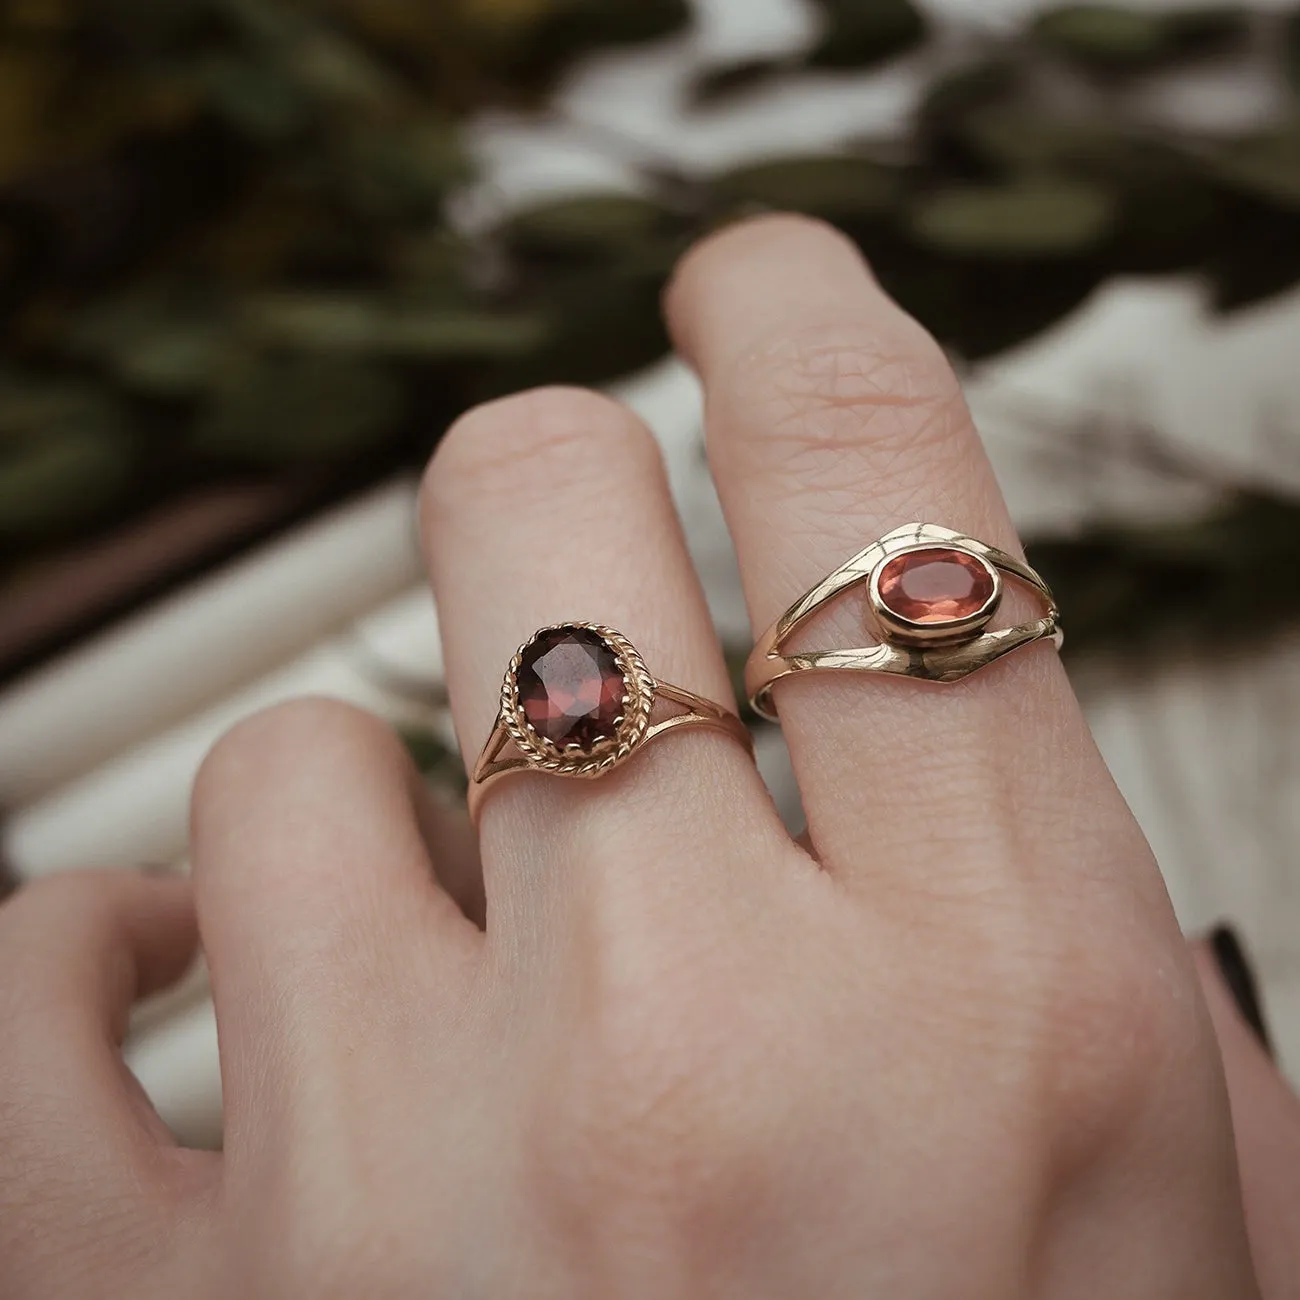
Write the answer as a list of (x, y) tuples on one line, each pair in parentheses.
[(571, 688), (935, 585)]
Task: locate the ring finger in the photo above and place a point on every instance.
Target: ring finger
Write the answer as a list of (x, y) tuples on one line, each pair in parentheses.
[(553, 506)]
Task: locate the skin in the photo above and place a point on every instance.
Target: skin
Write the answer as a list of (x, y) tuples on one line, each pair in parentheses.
[(643, 1044)]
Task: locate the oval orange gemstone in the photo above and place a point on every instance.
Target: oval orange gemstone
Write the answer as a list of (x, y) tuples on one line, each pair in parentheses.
[(935, 585)]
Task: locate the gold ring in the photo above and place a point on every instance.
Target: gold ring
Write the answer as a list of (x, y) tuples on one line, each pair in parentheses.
[(930, 595), (577, 701)]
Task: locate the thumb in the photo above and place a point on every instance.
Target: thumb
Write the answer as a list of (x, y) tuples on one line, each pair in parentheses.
[(1265, 1114)]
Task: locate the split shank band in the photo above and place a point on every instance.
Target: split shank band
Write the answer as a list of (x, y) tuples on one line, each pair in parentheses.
[(577, 699), (931, 594)]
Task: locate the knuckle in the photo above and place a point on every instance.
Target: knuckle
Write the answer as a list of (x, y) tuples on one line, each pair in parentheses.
[(284, 737), (66, 893), (69, 904), (653, 1116), (499, 446), (1127, 1027), (889, 400), (314, 1239)]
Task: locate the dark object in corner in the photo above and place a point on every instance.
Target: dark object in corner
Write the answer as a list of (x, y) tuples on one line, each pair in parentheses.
[(1239, 976)]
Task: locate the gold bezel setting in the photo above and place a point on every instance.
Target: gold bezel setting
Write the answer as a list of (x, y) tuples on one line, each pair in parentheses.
[(954, 631), (945, 651)]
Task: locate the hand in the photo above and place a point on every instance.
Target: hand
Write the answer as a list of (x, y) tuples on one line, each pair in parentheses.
[(955, 1048)]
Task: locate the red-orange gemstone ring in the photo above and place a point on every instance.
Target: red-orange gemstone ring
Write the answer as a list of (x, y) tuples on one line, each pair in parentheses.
[(577, 701), (931, 595)]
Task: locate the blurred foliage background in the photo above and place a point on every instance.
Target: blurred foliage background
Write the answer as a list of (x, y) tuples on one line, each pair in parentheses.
[(226, 254)]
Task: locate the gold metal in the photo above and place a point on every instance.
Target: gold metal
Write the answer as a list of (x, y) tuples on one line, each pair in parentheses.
[(943, 652), (635, 728)]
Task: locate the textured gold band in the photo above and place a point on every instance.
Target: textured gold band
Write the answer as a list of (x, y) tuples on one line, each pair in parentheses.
[(945, 649)]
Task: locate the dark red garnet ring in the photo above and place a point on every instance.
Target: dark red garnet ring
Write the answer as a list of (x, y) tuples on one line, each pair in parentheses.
[(931, 594), (578, 700)]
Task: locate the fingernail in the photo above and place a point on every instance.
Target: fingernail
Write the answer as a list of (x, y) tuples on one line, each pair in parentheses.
[(1239, 977)]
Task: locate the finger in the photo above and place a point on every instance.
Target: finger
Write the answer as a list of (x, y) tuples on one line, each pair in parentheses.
[(1265, 1116), (447, 830), (76, 950), (832, 419), (317, 899), (553, 506)]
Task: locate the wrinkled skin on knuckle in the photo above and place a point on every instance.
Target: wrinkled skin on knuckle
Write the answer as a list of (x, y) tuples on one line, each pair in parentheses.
[(1140, 1194), (507, 448), (60, 1236), (844, 408), (312, 1231), (1055, 971), (658, 1121), (1130, 1045), (277, 741)]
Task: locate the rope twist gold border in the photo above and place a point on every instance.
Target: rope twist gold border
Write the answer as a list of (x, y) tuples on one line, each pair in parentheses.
[(634, 729)]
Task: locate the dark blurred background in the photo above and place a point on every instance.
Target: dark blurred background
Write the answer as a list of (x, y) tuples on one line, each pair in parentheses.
[(233, 284)]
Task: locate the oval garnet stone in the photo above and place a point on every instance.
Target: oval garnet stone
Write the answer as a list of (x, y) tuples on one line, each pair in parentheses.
[(571, 687), (935, 585)]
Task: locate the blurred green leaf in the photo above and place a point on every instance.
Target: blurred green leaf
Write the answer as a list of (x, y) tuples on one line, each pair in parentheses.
[(63, 459), (254, 97), (954, 96), (588, 227), (400, 173), (1291, 47), (366, 324), (607, 325), (1019, 141), (975, 304), (31, 410), (1265, 166), (1046, 217), (522, 44), (1168, 214), (300, 411), (1103, 36), (863, 33), (177, 363), (839, 188), (1114, 38), (340, 71), (153, 343)]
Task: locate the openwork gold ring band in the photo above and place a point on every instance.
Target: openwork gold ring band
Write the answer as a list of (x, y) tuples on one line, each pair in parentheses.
[(577, 701), (931, 594)]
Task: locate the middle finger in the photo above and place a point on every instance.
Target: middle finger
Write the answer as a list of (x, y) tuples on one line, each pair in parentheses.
[(834, 418)]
